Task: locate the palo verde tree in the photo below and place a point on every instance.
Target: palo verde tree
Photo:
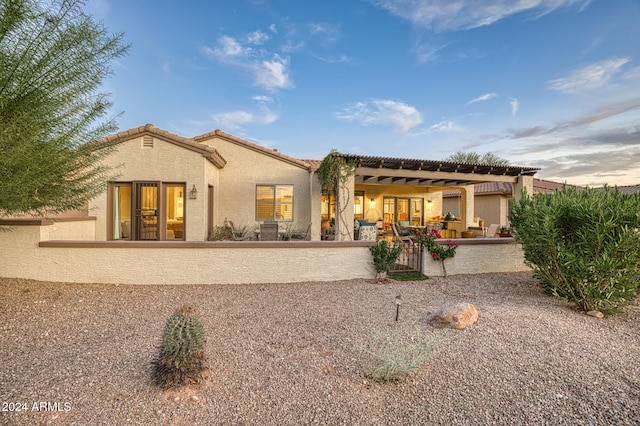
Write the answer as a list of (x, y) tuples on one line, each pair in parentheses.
[(488, 158), (53, 59)]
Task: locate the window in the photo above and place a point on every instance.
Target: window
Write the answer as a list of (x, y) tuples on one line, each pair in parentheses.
[(403, 210), (358, 205), (274, 202), (121, 211), (174, 211)]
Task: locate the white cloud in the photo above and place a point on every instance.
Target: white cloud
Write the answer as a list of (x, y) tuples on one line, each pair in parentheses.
[(515, 105), (446, 127), (227, 48), (270, 74), (328, 33), (482, 98), (237, 120), (452, 15), (257, 37), (382, 112), (591, 77), (274, 74)]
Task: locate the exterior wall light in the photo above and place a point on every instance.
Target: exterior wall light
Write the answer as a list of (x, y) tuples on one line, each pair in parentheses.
[(193, 194)]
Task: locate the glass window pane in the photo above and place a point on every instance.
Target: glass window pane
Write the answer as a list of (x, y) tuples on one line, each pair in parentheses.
[(265, 194), (174, 218), (121, 211), (403, 209)]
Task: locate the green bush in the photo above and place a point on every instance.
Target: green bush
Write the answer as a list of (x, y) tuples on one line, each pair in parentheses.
[(584, 245), (181, 360), (384, 256), (391, 356)]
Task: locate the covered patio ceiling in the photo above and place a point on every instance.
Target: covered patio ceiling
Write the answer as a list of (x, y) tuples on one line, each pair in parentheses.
[(429, 173)]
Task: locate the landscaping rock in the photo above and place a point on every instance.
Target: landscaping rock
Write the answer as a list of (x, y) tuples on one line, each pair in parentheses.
[(457, 316), (596, 314)]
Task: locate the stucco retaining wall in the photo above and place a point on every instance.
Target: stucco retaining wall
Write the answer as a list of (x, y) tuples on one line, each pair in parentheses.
[(23, 254), (478, 256), (47, 251)]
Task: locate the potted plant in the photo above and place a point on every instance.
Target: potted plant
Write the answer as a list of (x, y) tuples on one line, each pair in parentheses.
[(505, 231)]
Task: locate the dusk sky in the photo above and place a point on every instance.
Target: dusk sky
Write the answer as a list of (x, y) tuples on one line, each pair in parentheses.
[(553, 84)]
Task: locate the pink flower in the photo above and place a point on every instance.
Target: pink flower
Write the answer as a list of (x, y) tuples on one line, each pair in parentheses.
[(435, 256), (418, 233), (438, 235)]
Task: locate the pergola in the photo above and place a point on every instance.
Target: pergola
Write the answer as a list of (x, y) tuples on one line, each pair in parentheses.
[(430, 176)]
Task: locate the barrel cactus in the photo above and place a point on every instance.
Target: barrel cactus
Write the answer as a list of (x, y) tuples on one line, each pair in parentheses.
[(181, 360)]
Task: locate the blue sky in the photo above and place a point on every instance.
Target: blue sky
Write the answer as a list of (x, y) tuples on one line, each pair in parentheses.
[(553, 84)]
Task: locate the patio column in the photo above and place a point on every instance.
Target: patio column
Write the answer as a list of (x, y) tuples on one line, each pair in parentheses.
[(344, 210), (467, 206), (523, 182)]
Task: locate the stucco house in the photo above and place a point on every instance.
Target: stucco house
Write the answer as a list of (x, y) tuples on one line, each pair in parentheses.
[(492, 199), (151, 224), (173, 188)]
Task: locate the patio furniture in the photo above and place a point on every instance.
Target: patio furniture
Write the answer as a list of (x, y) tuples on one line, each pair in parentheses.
[(493, 230), (402, 238), (269, 231), (235, 233)]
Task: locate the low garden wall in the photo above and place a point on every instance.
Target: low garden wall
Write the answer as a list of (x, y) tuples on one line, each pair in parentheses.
[(478, 256), (63, 251), (25, 253)]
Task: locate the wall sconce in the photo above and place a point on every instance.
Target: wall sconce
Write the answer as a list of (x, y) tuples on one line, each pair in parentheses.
[(372, 203), (193, 194), (429, 204)]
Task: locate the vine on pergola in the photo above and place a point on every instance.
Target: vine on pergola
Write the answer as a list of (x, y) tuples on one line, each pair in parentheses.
[(334, 172)]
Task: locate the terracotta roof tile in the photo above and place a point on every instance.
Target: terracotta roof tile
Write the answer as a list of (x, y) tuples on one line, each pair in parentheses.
[(211, 154), (254, 147)]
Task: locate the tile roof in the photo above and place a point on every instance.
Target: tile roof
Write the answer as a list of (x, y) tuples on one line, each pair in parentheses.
[(490, 188), (149, 129), (629, 189), (254, 147)]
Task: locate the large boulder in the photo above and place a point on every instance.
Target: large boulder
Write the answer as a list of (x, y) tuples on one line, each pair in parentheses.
[(457, 316)]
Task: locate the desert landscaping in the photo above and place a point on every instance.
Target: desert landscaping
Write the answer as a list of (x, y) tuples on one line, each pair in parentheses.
[(294, 354)]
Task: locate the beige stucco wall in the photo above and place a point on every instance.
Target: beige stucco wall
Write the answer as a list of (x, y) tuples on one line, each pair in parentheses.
[(479, 257), (246, 168), (179, 262), (164, 162)]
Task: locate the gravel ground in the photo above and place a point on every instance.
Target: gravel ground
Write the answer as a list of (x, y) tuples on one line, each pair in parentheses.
[(291, 354)]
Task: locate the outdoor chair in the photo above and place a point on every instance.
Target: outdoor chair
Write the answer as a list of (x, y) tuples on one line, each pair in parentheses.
[(493, 230), (402, 238), (236, 237), (269, 231)]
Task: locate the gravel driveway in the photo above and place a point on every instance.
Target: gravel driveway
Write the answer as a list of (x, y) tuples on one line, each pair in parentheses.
[(289, 354)]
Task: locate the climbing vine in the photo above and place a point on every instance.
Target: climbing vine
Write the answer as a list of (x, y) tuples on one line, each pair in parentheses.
[(334, 172)]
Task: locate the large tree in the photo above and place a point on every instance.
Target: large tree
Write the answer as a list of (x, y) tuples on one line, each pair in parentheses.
[(472, 157), (53, 59)]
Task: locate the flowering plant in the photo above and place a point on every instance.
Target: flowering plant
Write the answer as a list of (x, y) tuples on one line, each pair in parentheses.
[(438, 251)]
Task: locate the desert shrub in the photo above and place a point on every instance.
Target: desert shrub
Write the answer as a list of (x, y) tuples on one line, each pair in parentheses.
[(220, 233), (584, 245), (391, 355), (181, 360), (384, 256)]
